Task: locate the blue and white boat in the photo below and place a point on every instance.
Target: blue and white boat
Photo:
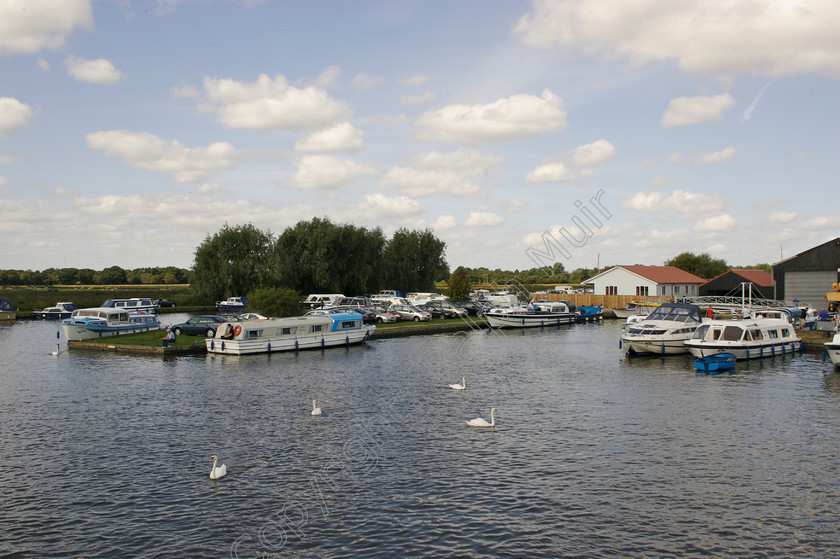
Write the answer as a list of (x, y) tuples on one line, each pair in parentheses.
[(748, 338), (87, 324), (233, 304), (62, 309), (7, 310), (662, 332), (269, 335), (134, 304)]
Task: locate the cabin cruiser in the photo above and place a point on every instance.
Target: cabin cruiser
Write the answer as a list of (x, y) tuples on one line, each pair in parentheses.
[(268, 335), (134, 304), (232, 304), (86, 324), (663, 331), (532, 315), (62, 309), (746, 338)]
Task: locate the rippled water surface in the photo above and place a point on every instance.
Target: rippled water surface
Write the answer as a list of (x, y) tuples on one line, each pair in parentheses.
[(594, 454)]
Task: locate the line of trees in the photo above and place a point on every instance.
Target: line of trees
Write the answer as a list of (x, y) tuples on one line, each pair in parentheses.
[(317, 256), (113, 275)]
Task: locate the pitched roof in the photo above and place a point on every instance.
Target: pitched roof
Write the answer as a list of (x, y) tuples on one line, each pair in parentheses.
[(758, 277), (658, 274)]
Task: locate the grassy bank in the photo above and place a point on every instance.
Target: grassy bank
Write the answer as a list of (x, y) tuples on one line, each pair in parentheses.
[(27, 299)]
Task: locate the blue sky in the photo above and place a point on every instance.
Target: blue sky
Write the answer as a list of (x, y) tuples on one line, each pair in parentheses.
[(129, 131)]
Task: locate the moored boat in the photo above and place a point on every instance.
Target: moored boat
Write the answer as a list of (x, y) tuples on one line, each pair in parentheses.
[(642, 308), (7, 310), (745, 338), (87, 324), (832, 348), (233, 304), (134, 304), (271, 335), (718, 362), (62, 309), (533, 315), (662, 332)]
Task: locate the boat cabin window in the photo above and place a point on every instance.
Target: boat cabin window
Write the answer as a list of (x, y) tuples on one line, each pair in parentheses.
[(787, 332), (732, 333), (715, 333), (773, 334), (253, 334), (345, 324), (756, 334), (316, 328), (287, 331), (700, 333)]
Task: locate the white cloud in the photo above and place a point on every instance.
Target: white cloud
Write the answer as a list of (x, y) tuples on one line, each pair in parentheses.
[(482, 217), (416, 80), (323, 172), (469, 161), (723, 223), (657, 181), (556, 172), (516, 117), (782, 217), (185, 91), (27, 26), (148, 152), (680, 201), (418, 99), (99, 71), (343, 137), (705, 37), (327, 78), (684, 111), (721, 156), (429, 182), (445, 223), (3, 181), (365, 81), (268, 104), (594, 153), (382, 207), (13, 115), (43, 65)]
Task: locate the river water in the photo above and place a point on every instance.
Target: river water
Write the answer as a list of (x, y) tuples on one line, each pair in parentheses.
[(594, 454)]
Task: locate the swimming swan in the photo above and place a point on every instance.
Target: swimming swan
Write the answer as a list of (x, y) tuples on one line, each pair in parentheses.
[(315, 410), (481, 422), (216, 473), (462, 386)]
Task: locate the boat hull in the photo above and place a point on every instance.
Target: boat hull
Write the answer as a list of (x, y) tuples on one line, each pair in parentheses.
[(636, 346), (287, 343), (741, 351), (536, 320), (80, 332)]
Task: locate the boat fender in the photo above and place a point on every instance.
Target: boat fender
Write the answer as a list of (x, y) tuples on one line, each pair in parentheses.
[(619, 343), (236, 330), (296, 345), (663, 349), (748, 353), (823, 356), (761, 351), (222, 346), (347, 340), (322, 342), (269, 347), (773, 351)]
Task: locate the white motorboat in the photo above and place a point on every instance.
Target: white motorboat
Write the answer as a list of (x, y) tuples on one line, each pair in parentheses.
[(270, 335), (86, 324), (530, 316), (62, 309), (663, 331), (134, 304), (832, 348), (747, 338)]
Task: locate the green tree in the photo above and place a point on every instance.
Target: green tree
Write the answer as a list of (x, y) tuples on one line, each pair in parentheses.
[(702, 265), (413, 259), (275, 301), (234, 261), (319, 256), (459, 287), (113, 275)]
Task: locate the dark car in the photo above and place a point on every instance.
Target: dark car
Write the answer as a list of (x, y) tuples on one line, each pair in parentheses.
[(164, 303), (203, 325), (471, 307), (437, 311)]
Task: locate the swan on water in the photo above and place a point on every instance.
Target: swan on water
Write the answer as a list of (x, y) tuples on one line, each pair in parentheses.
[(462, 386), (315, 409), (481, 422), (216, 473)]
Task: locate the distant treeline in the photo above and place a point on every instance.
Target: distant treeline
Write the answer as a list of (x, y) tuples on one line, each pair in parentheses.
[(113, 275)]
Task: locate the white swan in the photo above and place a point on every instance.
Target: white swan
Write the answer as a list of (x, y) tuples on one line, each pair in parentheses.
[(315, 409), (462, 386), (481, 422), (216, 473)]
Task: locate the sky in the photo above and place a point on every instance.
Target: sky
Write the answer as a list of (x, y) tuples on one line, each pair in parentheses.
[(522, 133)]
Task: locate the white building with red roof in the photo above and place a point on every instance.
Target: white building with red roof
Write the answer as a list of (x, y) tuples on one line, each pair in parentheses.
[(645, 281)]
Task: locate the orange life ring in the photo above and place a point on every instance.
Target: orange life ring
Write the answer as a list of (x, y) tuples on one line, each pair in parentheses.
[(236, 330)]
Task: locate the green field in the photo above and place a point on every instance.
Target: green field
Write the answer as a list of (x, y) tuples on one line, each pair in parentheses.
[(27, 299)]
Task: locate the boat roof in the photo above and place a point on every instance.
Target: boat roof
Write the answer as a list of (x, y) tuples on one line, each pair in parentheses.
[(6, 305)]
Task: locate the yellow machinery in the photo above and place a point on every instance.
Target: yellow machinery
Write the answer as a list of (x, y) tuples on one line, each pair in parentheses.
[(833, 297)]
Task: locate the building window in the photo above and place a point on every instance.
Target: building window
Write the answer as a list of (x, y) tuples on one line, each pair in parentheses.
[(612, 290), (642, 290), (676, 290)]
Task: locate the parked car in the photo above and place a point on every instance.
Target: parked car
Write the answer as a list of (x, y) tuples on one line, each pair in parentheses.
[(164, 303), (463, 313), (437, 311), (410, 312), (382, 316), (205, 324), (472, 308), (387, 311)]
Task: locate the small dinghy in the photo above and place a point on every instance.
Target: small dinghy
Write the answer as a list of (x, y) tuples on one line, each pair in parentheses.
[(717, 362)]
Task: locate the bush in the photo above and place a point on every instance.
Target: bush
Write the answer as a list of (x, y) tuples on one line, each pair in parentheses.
[(275, 301)]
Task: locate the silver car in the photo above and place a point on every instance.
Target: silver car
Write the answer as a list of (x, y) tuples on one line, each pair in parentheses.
[(410, 312)]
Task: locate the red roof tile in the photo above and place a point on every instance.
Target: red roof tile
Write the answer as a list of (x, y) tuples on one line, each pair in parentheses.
[(758, 277), (664, 274)]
